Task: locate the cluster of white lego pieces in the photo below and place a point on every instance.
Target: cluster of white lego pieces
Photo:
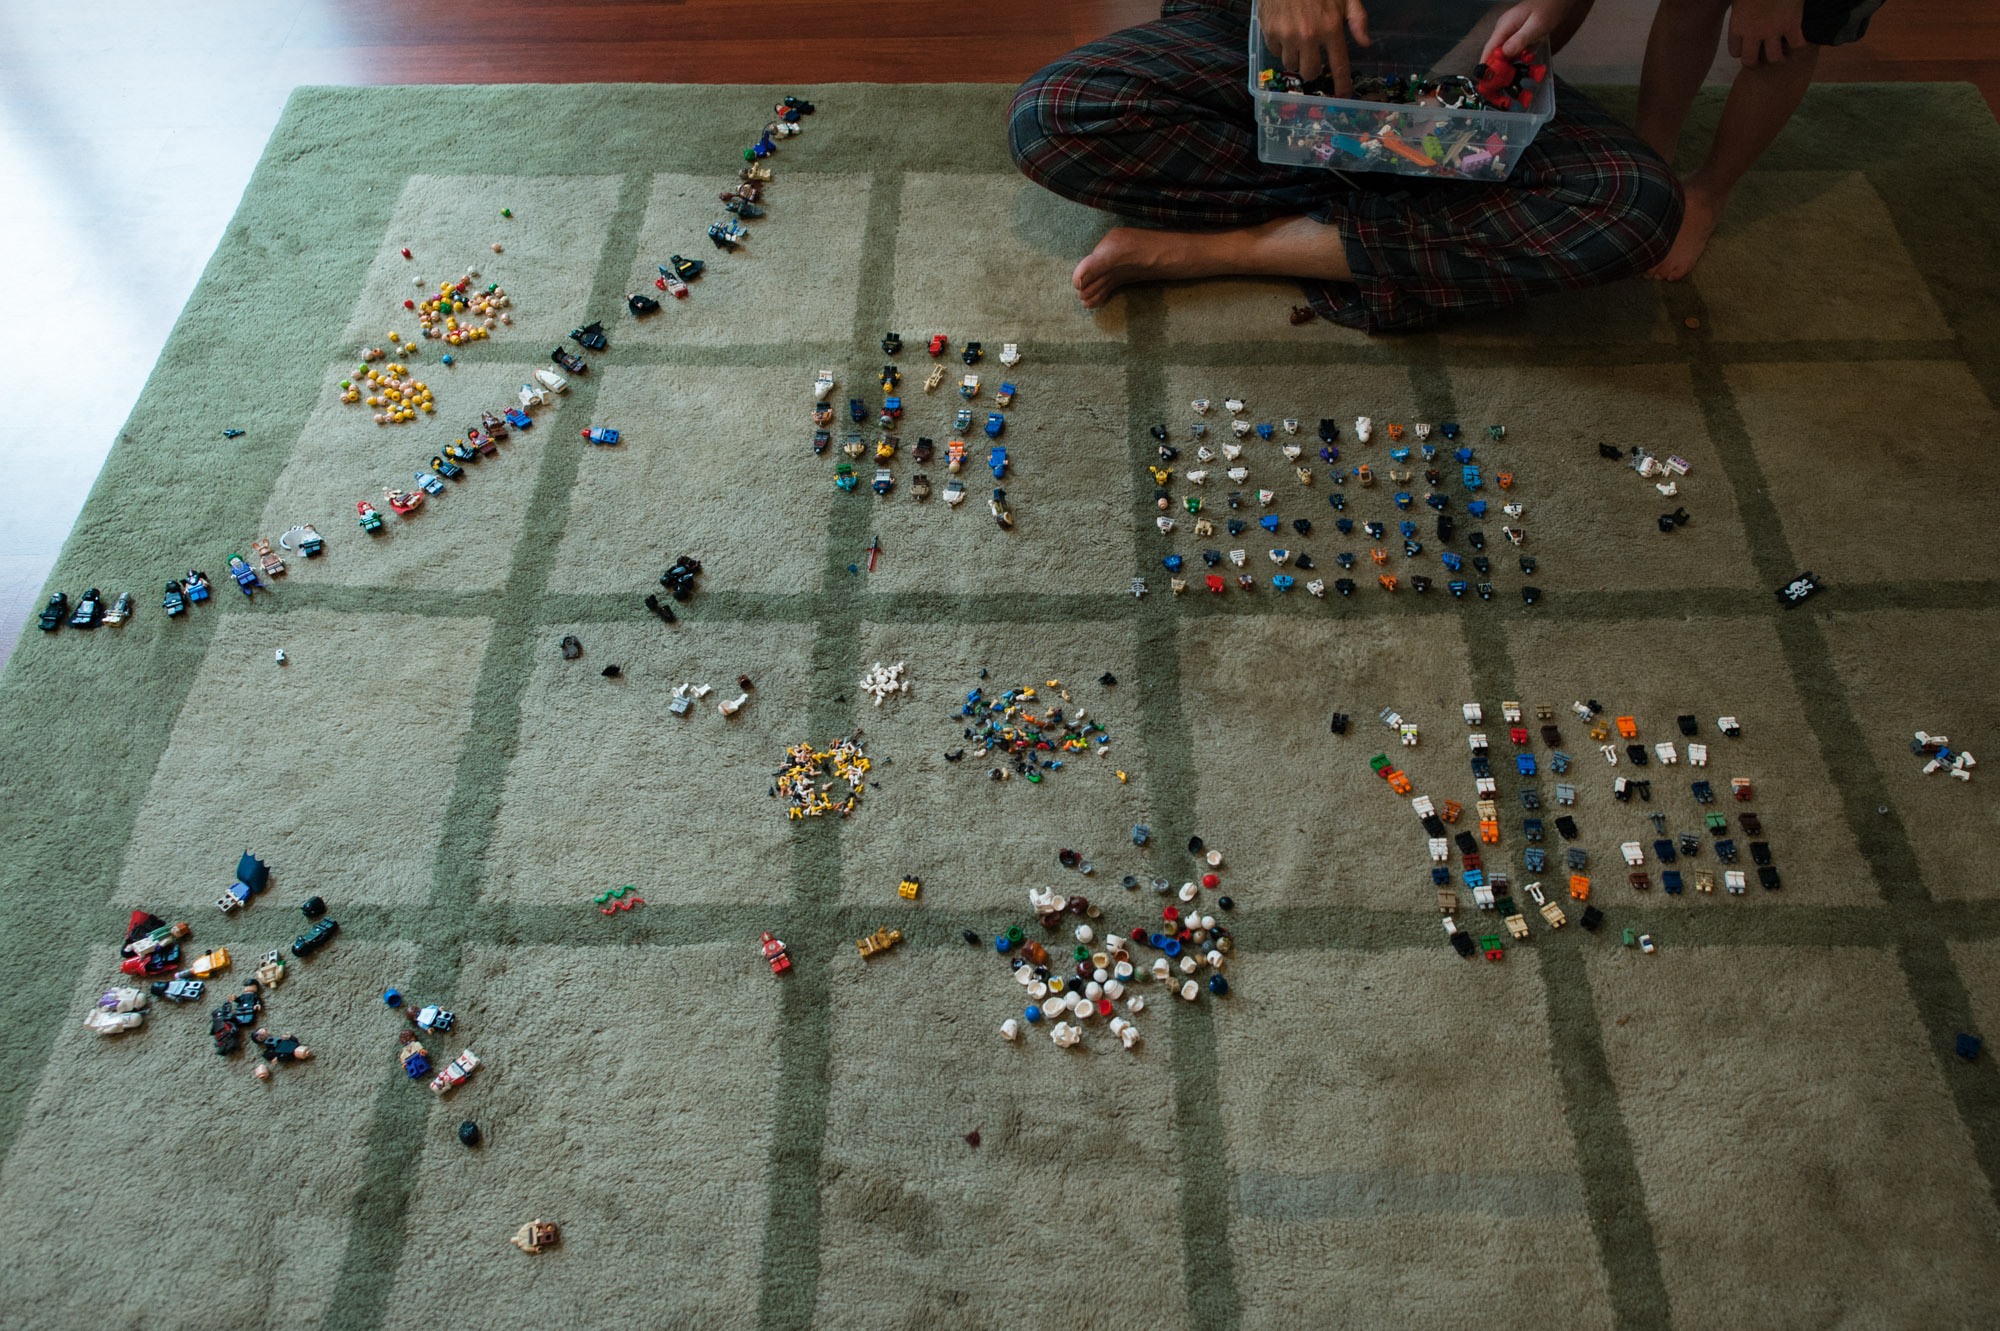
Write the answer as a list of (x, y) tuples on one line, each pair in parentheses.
[(1943, 758), (881, 681), (685, 695), (118, 1010), (1653, 469)]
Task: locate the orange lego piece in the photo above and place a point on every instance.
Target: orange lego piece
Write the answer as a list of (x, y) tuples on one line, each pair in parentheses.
[(1489, 830), (1506, 479), (1579, 887), (1452, 808), (1628, 727), (1388, 581), (1403, 150), (1379, 556), (1398, 782)]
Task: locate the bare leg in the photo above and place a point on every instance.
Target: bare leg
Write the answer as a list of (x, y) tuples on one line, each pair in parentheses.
[(1679, 50), (1761, 100), (1286, 247), (1571, 22)]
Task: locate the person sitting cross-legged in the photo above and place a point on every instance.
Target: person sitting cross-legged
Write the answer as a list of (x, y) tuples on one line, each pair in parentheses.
[(1156, 125)]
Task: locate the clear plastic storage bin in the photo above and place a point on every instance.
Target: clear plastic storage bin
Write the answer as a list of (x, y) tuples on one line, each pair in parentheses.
[(1431, 38)]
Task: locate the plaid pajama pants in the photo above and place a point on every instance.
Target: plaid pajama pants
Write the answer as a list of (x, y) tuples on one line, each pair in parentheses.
[(1155, 123)]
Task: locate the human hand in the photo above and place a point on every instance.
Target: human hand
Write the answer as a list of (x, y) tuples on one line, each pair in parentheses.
[(1526, 24), (1298, 30), (1761, 31)]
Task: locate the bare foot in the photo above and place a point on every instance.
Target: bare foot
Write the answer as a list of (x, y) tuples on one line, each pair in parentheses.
[(1286, 246), (1698, 221), (1129, 254)]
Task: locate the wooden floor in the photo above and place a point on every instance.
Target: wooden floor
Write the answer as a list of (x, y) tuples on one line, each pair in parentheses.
[(128, 129)]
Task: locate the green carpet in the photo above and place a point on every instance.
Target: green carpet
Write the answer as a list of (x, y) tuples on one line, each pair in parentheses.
[(1761, 1124)]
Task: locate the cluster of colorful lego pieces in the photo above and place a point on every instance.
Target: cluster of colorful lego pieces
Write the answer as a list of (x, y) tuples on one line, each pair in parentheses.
[(1491, 888), (397, 394), (1032, 738), (743, 202), (1232, 458), (438, 316), (152, 948), (1411, 118), (89, 612), (416, 1060), (887, 447), (816, 782), (1189, 944), (1939, 756)]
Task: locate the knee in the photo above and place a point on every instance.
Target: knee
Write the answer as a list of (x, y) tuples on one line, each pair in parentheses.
[(1630, 205), (1651, 208), (1035, 120)]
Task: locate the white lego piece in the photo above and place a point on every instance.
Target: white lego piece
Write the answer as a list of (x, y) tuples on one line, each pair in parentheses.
[(1697, 755), (1235, 405), (1633, 852), (1476, 741), (1734, 880), (1010, 1029), (1408, 733), (1364, 428), (823, 385), (1423, 805), (732, 706), (1440, 849), (1010, 354), (1664, 751), (1610, 752), (1474, 713)]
